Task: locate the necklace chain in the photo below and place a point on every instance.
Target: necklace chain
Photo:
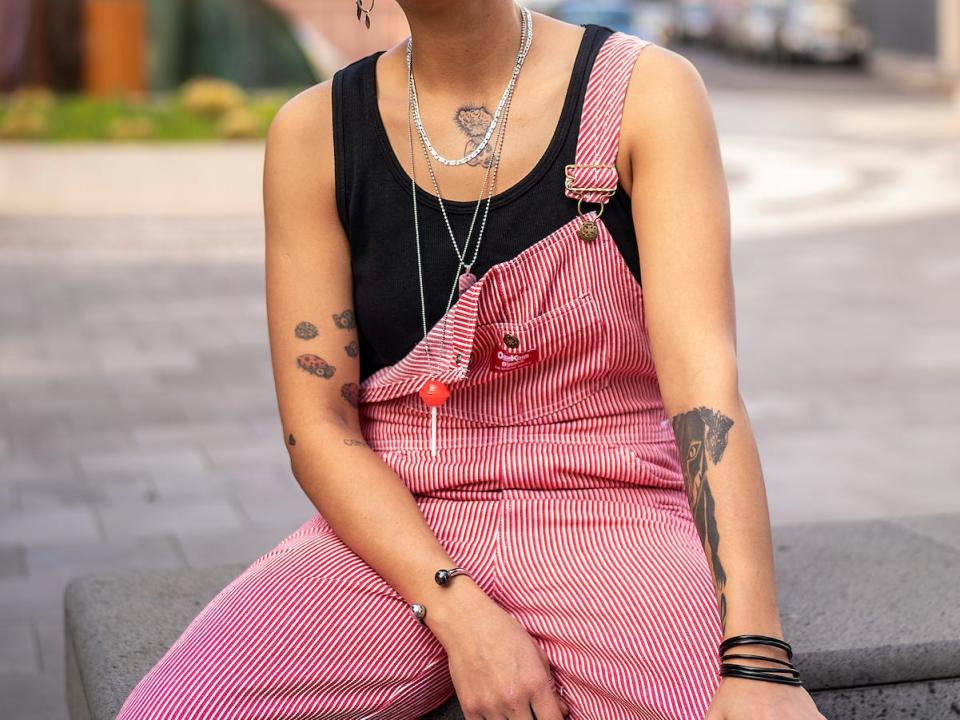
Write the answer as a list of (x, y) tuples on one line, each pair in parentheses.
[(496, 115), (526, 39)]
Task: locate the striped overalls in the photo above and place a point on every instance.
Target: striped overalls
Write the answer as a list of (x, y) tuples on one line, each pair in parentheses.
[(556, 482)]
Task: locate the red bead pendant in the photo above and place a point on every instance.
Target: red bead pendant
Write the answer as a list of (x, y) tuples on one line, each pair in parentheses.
[(434, 393)]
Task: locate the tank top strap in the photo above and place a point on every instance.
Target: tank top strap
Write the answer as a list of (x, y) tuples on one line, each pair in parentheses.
[(593, 175)]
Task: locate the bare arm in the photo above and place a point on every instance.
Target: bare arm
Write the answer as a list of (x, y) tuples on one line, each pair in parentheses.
[(315, 360), (681, 215)]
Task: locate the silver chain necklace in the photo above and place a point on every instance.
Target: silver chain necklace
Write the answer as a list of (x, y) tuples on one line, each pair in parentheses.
[(527, 21), (467, 278), (434, 392)]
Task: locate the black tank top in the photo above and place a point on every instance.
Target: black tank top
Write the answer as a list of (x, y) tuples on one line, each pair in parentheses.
[(375, 207)]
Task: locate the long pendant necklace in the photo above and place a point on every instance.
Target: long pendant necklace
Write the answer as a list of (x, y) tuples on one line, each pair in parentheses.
[(467, 278), (493, 122), (433, 392)]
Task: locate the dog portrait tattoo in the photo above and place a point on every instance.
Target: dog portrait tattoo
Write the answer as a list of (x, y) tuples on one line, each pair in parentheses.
[(305, 330), (701, 435), (473, 121), (315, 365)]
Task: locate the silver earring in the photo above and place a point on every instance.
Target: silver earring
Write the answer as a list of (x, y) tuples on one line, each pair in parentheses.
[(365, 12)]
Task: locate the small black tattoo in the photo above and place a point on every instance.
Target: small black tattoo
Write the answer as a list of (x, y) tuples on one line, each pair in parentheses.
[(351, 393), (292, 440), (473, 121), (345, 319), (700, 433), (315, 365), (354, 441), (306, 330), (353, 349)]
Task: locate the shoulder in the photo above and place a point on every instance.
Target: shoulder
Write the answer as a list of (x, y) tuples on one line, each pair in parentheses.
[(307, 117), (666, 101)]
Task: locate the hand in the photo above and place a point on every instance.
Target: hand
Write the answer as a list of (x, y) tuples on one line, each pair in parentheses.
[(497, 669), (747, 699)]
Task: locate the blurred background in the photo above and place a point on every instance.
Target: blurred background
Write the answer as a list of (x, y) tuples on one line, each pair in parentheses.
[(138, 424)]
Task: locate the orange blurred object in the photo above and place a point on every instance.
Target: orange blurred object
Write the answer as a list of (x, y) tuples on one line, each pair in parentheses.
[(115, 37)]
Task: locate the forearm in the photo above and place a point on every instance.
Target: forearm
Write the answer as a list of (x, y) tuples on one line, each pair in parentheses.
[(725, 487), (376, 515)]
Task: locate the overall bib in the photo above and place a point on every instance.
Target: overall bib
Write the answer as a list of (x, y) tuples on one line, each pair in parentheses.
[(556, 482)]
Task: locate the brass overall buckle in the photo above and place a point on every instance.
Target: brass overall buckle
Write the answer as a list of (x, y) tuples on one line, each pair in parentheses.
[(588, 228)]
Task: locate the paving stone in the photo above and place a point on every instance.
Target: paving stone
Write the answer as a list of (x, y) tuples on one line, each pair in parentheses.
[(50, 633), (48, 495), (12, 561), (48, 525), (183, 516), (148, 461), (162, 435), (73, 558), (19, 652), (243, 547), (30, 597), (34, 697)]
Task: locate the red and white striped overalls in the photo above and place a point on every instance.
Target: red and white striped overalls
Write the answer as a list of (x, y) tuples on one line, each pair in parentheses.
[(557, 482)]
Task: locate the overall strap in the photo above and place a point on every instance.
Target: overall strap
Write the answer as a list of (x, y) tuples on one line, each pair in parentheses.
[(593, 176)]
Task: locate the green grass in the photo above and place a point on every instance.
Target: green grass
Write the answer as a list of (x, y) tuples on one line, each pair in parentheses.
[(82, 118)]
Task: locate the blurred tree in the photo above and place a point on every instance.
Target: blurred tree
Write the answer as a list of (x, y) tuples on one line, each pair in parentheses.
[(245, 41)]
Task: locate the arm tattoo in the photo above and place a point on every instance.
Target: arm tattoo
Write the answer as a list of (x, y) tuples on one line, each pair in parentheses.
[(353, 349), (702, 432), (351, 393), (305, 330), (345, 319), (291, 439), (473, 121), (354, 441), (315, 365)]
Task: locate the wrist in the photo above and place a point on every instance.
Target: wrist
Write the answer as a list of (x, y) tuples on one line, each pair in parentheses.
[(449, 607)]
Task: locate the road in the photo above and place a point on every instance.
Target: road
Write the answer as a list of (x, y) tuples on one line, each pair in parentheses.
[(138, 424)]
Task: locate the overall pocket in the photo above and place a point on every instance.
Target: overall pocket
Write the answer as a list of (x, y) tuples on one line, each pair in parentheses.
[(521, 371)]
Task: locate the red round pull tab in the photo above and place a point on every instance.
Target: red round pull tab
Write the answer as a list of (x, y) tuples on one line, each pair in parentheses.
[(434, 393)]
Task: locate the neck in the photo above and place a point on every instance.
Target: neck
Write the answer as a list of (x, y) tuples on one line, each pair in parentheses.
[(463, 45)]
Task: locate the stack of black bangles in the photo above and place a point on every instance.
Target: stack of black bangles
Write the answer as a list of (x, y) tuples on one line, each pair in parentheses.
[(788, 675)]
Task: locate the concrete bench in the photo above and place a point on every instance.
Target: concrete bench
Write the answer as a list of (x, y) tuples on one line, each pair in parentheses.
[(871, 609)]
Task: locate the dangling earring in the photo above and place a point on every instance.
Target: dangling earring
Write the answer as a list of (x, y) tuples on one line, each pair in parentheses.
[(365, 12)]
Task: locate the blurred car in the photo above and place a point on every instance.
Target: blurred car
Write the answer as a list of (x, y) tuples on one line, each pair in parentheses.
[(654, 21), (693, 21), (649, 19), (754, 31), (725, 14), (822, 31), (614, 15)]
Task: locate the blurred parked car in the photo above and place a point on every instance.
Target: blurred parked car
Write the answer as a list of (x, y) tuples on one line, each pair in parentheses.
[(614, 15), (649, 19), (724, 17), (754, 31), (654, 21), (822, 31), (693, 21)]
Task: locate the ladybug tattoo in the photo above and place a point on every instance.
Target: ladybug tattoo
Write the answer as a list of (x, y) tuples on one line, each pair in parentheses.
[(315, 365)]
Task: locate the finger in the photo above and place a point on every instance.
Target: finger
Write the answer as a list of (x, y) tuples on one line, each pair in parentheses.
[(547, 704)]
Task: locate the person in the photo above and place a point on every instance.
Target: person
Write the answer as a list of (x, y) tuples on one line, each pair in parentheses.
[(536, 483)]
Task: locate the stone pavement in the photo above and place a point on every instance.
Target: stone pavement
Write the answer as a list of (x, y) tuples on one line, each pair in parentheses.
[(138, 424)]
